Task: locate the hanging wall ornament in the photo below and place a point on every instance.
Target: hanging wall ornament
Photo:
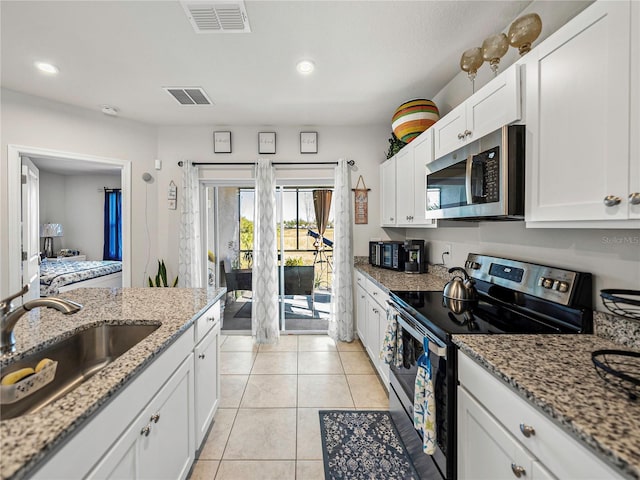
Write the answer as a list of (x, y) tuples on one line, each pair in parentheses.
[(361, 211)]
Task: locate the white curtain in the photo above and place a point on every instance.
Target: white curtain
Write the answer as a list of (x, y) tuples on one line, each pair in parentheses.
[(341, 322), (264, 311), (189, 251)]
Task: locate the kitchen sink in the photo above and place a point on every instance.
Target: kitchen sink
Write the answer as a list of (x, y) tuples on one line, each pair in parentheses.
[(79, 357)]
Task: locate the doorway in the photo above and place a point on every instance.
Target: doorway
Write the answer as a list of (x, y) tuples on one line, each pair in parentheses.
[(304, 267), (17, 224)]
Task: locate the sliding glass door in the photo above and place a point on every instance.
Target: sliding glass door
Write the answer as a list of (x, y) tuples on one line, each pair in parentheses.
[(304, 257), (304, 262)]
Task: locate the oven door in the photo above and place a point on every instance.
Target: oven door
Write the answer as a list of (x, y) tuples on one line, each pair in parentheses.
[(402, 380)]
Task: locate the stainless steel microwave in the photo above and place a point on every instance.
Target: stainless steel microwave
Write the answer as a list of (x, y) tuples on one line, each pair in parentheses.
[(482, 186)]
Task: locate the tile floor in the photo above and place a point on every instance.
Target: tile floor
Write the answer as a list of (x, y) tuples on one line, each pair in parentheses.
[(267, 426)]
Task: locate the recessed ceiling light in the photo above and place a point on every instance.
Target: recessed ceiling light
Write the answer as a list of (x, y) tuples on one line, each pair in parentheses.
[(305, 67), (47, 67)]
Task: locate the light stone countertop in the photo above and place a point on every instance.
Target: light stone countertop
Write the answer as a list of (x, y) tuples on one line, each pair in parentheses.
[(28, 440), (392, 280), (556, 375)]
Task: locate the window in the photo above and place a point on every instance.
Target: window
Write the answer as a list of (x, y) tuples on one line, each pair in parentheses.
[(112, 225)]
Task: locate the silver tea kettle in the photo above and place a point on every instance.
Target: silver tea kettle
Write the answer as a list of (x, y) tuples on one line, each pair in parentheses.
[(459, 293)]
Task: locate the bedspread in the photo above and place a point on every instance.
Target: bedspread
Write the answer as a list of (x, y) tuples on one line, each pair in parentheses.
[(54, 275)]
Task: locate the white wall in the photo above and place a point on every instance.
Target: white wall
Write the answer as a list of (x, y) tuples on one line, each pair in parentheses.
[(366, 145), (35, 122), (76, 202), (52, 204)]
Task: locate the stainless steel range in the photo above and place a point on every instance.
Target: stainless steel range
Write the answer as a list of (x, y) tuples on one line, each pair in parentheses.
[(513, 297)]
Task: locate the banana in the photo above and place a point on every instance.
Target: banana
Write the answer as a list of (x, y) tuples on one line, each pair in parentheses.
[(43, 363), (14, 377)]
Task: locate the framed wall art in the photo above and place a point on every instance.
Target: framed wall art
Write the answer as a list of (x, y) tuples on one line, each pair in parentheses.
[(266, 142), (221, 142), (308, 142)]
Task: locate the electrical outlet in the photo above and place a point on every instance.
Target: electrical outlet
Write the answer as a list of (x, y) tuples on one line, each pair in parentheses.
[(447, 248), (446, 252)]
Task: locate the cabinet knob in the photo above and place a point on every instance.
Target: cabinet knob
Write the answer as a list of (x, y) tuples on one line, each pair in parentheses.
[(467, 133), (155, 417), (517, 470), (460, 136), (634, 198), (611, 200), (361, 296), (527, 430), (146, 431), (201, 355), (375, 310), (391, 219), (211, 319)]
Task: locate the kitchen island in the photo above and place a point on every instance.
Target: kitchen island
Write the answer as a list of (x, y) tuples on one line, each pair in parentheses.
[(31, 440)]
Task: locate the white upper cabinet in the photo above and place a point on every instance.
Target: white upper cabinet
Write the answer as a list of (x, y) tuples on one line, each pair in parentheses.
[(404, 185), (583, 164), (496, 104), (388, 193)]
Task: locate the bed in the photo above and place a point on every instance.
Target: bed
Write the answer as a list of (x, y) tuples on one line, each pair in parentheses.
[(57, 277)]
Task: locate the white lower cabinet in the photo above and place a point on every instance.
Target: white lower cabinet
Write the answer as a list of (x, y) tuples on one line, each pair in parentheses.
[(371, 304), (500, 435), (207, 381), (361, 313), (486, 450), (159, 443)]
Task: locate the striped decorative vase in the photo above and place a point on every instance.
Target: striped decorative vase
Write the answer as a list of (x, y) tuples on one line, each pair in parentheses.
[(414, 117)]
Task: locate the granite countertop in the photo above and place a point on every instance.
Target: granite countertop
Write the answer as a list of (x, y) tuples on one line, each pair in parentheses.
[(392, 280), (556, 375), (29, 439)]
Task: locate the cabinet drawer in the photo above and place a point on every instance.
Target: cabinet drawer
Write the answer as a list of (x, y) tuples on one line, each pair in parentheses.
[(207, 321), (556, 449), (378, 294)]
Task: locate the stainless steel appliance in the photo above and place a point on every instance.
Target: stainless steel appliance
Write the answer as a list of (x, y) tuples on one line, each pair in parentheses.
[(513, 297), (415, 261), (388, 254), (485, 185)]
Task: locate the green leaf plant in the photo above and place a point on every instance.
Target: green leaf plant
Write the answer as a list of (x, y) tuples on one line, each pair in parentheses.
[(161, 277)]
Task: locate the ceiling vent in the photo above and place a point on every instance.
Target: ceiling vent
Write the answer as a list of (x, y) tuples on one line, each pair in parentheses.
[(189, 95), (217, 16)]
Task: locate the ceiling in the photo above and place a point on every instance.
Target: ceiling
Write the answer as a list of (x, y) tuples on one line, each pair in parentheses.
[(370, 57), (72, 167)]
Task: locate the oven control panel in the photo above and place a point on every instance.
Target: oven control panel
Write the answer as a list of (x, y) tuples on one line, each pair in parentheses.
[(549, 283)]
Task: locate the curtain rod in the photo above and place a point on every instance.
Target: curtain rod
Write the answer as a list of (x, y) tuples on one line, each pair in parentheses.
[(351, 163)]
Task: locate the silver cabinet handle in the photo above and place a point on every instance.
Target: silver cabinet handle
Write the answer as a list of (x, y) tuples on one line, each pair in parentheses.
[(391, 219), (517, 470), (375, 294), (375, 310), (460, 136), (467, 133), (527, 430), (211, 319), (361, 296), (146, 430), (634, 198), (155, 417), (611, 200), (201, 355)]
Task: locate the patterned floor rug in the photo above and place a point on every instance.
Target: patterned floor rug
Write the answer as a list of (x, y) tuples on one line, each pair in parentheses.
[(363, 445)]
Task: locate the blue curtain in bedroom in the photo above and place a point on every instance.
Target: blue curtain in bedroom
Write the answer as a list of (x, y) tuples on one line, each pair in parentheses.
[(112, 224)]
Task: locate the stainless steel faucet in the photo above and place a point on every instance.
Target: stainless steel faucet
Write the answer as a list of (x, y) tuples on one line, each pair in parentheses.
[(11, 316)]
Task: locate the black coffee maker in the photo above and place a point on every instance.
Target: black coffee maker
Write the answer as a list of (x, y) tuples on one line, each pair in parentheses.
[(415, 261)]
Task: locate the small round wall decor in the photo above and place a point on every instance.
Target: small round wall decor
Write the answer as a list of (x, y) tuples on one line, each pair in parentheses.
[(414, 117)]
